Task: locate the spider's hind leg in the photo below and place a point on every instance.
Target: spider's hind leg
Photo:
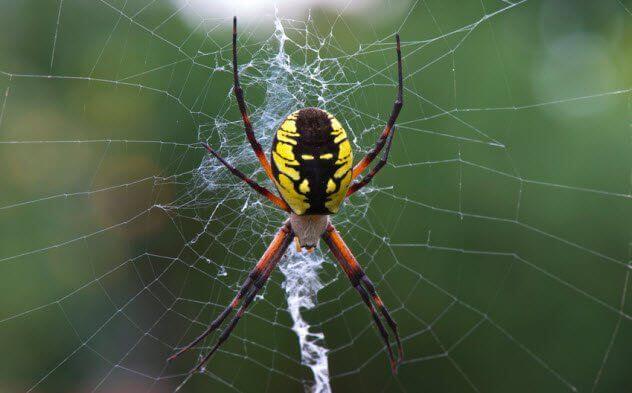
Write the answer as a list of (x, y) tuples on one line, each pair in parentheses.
[(358, 278), (254, 282)]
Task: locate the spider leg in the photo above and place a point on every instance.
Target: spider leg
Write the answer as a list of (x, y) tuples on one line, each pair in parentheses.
[(253, 283), (365, 298), (281, 204), (258, 284), (357, 185), (356, 275), (228, 330), (397, 106), (239, 95), (380, 304)]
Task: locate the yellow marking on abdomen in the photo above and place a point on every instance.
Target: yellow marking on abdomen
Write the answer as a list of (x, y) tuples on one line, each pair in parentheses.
[(307, 157), (326, 156), (335, 124), (331, 186), (297, 202), (345, 159), (284, 137), (289, 126), (344, 151), (285, 150), (334, 200), (304, 186), (342, 170), (283, 166)]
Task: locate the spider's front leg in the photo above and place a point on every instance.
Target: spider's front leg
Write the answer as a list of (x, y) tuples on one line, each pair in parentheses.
[(386, 138), (360, 281), (243, 109), (249, 289)]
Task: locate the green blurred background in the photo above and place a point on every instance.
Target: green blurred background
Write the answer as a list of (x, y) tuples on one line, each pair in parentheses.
[(499, 234)]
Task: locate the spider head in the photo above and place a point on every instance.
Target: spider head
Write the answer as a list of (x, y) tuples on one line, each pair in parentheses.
[(308, 228)]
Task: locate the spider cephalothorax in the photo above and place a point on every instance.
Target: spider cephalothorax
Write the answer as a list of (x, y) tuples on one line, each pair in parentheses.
[(312, 168)]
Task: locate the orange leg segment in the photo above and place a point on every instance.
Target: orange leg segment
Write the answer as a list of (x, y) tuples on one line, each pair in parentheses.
[(239, 95), (360, 281), (281, 204), (249, 289), (357, 185)]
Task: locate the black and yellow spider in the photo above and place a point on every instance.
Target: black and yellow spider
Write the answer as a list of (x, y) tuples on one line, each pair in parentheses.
[(312, 170)]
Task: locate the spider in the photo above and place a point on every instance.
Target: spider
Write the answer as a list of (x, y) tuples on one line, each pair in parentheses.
[(311, 166)]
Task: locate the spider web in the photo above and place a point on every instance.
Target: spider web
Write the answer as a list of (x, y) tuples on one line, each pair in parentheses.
[(498, 234)]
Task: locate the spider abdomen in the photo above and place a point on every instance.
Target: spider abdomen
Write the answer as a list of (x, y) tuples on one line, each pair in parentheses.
[(311, 162)]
